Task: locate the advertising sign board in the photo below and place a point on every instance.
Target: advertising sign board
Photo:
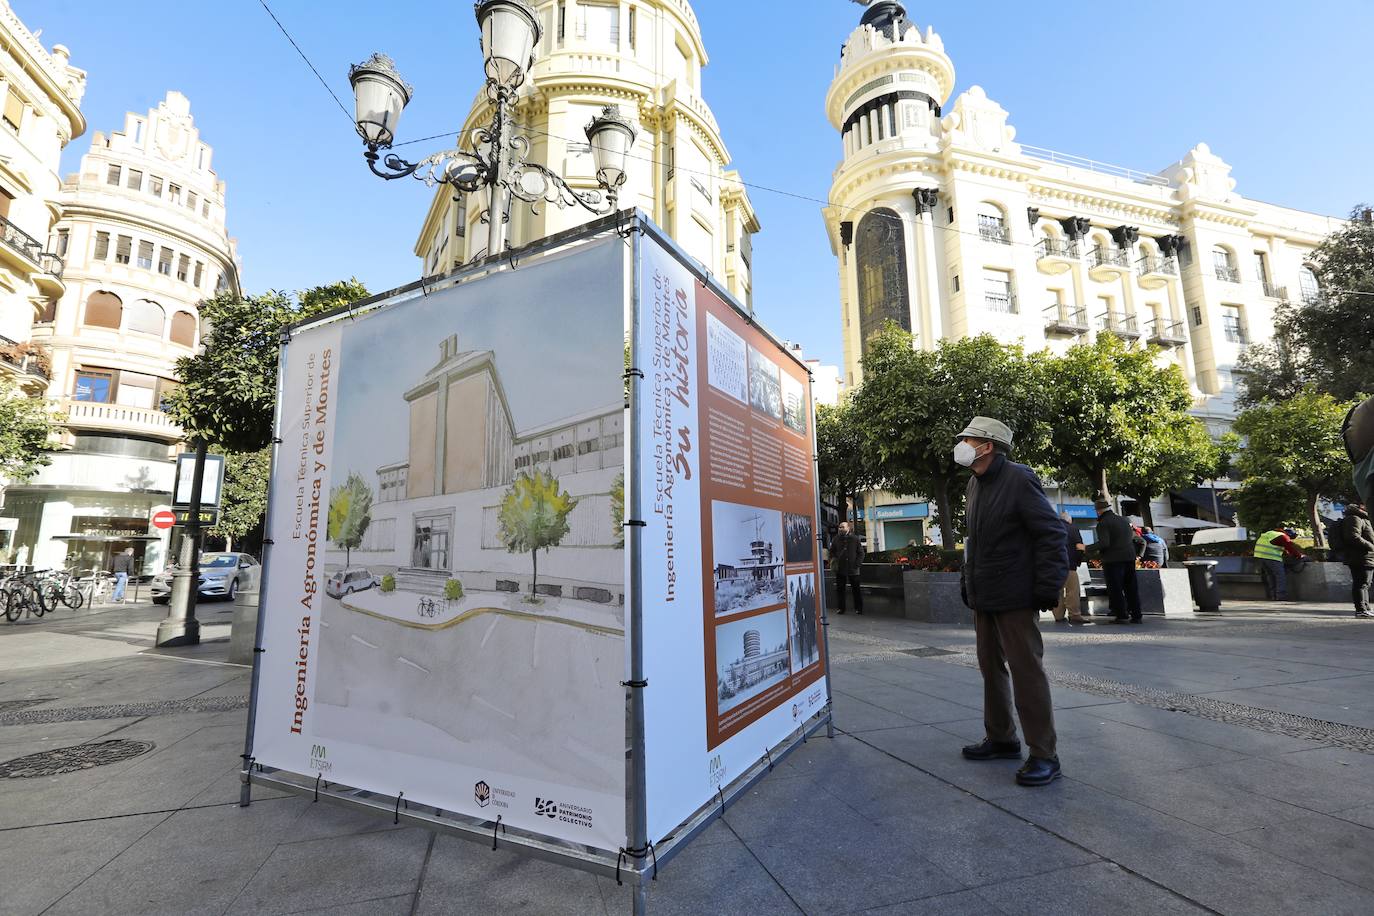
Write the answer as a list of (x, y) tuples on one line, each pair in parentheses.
[(210, 485)]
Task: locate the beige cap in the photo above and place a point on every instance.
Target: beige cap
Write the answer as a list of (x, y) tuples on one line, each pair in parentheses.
[(987, 428)]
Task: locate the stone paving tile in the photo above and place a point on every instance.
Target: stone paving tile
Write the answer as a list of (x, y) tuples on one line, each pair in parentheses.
[(1336, 762), (55, 734), (937, 753), (959, 903), (322, 821), (870, 781), (853, 715), (1349, 712), (332, 872), (1237, 738), (82, 848), (780, 807), (1085, 890), (722, 878), (1152, 750), (1329, 845), (401, 905), (1363, 815), (468, 877), (1291, 784), (1081, 724), (919, 707)]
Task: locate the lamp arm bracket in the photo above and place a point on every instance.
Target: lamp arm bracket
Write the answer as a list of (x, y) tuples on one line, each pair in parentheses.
[(432, 170), (536, 184)]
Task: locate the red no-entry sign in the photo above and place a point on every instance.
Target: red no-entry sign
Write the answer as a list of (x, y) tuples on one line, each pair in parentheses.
[(164, 520)]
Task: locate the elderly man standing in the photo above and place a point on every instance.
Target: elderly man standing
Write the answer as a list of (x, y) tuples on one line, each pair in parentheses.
[(1015, 563)]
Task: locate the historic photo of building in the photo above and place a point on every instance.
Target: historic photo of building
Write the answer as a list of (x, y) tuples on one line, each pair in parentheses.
[(765, 391), (801, 614), (751, 656), (747, 557)]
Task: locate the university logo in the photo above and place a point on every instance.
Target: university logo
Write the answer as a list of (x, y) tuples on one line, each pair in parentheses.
[(545, 807), (482, 793)]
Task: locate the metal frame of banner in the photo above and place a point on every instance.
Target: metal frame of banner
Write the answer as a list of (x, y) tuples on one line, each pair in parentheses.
[(639, 864)]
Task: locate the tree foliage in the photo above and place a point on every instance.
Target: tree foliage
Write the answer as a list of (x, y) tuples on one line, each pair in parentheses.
[(1264, 504), (1295, 442), (534, 516), (229, 389), (1110, 404), (27, 426), (350, 514), (243, 499), (913, 403), (1324, 343), (1175, 455), (844, 467)]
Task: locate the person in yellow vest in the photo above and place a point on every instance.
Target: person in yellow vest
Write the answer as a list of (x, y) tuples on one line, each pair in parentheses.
[(1270, 550)]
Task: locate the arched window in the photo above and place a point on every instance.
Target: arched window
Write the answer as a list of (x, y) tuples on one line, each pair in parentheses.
[(184, 329), (880, 257), (1224, 263), (992, 223), (146, 317), (104, 310), (1307, 283)]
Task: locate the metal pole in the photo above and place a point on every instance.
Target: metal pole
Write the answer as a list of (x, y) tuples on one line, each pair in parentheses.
[(246, 789), (498, 195), (820, 586), (639, 821), (180, 627)]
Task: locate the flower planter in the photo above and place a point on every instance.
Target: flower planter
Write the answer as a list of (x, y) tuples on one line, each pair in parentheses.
[(1321, 582), (1162, 591), (933, 597)]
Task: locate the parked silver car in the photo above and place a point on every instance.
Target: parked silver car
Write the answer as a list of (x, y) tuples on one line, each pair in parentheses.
[(350, 580), (222, 575)]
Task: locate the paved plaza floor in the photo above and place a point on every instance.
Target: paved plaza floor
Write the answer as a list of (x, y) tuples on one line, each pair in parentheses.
[(1220, 764)]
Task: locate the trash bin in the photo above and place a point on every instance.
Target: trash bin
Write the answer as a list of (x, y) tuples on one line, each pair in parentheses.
[(1202, 579)]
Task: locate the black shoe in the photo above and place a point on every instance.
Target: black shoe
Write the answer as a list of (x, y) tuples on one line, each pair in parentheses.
[(840, 611), (1080, 622), (1118, 620), (1136, 620), (987, 749), (1038, 771), (1061, 620)]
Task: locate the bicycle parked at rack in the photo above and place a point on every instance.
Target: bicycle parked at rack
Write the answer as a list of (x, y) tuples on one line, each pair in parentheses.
[(24, 594)]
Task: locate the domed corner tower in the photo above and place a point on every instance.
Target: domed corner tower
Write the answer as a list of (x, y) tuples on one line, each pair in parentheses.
[(886, 101)]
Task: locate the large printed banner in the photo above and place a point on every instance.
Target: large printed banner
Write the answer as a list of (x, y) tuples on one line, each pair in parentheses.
[(731, 621), (445, 614)]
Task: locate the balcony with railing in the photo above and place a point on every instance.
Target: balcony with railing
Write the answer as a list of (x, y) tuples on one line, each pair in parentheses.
[(995, 233), (1273, 291), (1236, 334), (1228, 274), (1000, 302), (1166, 333), (1123, 326), (1055, 256), (30, 361), (120, 418), (1063, 320), (29, 249), (1108, 263), (1156, 271)]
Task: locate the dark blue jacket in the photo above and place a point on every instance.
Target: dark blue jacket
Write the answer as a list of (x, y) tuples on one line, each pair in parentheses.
[(1014, 554)]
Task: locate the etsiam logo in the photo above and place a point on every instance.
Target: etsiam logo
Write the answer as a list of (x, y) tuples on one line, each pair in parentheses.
[(482, 793)]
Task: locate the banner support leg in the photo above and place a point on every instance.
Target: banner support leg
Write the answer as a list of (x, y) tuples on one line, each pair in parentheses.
[(641, 900)]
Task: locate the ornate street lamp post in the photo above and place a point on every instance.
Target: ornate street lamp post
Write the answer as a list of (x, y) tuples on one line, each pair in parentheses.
[(498, 165)]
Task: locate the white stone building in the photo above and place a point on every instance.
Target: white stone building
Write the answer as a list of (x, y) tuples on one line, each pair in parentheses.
[(645, 56), (143, 236), (944, 223)]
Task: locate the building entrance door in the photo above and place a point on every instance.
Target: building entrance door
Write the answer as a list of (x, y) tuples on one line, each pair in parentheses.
[(430, 548)]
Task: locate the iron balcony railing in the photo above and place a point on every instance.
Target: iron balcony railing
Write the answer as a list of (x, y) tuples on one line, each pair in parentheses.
[(1109, 257), (26, 363), (1311, 297), (1236, 334), (1057, 248), (1271, 291), (1153, 265), (1066, 319), (1123, 326), (1228, 274), (993, 233), (1001, 302), (29, 247), (1167, 333), (52, 264)]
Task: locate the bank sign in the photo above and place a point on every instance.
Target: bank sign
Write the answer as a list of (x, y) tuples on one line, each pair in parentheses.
[(894, 513)]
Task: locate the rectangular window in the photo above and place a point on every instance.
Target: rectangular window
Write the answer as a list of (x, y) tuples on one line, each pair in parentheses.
[(14, 109), (154, 186), (633, 16), (138, 132), (164, 262), (200, 270), (183, 268), (1233, 324), (102, 245), (124, 248), (992, 228), (1261, 268), (145, 255), (174, 193), (562, 21), (997, 291), (460, 219), (192, 198), (136, 390), (112, 175), (205, 208), (6, 198), (950, 212), (134, 182), (1197, 316), (954, 282), (64, 241), (600, 24), (93, 386)]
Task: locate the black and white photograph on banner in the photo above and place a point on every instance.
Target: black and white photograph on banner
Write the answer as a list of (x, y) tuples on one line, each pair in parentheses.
[(801, 612), (726, 364), (793, 404), (746, 546), (765, 391), (751, 656), (799, 538)]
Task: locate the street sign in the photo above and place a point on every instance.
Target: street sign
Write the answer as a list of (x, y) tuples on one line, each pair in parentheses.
[(164, 519), (210, 486), (208, 517)]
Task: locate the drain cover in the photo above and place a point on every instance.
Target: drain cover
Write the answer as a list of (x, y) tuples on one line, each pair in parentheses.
[(927, 652), (70, 759)]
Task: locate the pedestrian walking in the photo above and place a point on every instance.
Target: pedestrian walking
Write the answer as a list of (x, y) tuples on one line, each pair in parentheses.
[(1155, 551), (1070, 607), (1357, 539), (122, 567), (1015, 564), (847, 557), (1270, 549), (1117, 543)]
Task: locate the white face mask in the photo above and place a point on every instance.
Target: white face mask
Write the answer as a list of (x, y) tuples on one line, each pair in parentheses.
[(965, 455)]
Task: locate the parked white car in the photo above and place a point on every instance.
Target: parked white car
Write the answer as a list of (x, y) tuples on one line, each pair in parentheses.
[(350, 580), (222, 575)]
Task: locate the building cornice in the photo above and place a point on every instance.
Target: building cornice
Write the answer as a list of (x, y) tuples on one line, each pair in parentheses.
[(898, 59), (42, 70), (76, 212)]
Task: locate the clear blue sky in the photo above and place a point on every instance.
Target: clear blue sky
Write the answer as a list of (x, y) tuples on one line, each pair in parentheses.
[(1277, 89)]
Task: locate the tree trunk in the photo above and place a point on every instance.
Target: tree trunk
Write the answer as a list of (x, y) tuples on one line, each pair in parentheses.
[(946, 519), (228, 544), (1099, 479), (1147, 515), (534, 582), (1318, 533), (348, 556)]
